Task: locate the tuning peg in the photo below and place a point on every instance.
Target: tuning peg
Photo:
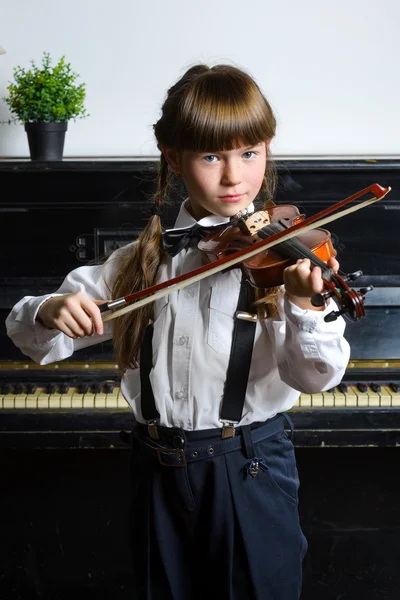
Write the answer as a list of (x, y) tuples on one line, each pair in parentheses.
[(320, 299), (365, 290), (352, 276), (332, 316)]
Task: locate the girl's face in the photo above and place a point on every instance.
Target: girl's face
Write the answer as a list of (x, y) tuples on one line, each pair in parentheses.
[(222, 183)]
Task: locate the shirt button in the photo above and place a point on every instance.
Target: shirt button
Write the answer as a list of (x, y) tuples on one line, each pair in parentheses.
[(179, 395), (188, 293), (182, 341)]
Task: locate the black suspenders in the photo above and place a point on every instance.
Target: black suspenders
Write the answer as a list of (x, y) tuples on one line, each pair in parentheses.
[(237, 373), (148, 404), (239, 362)]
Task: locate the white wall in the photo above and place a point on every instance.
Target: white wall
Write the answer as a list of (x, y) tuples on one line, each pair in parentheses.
[(330, 69)]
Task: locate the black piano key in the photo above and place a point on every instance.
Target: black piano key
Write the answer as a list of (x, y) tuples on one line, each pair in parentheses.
[(83, 388), (51, 388), (362, 387), (30, 387), (63, 388), (108, 387), (18, 388), (96, 387), (7, 387), (376, 388), (395, 387), (343, 388)]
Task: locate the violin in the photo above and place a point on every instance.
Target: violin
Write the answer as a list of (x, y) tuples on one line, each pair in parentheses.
[(265, 269), (282, 228)]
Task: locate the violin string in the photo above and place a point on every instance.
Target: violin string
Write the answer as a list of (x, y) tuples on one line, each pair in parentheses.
[(295, 249)]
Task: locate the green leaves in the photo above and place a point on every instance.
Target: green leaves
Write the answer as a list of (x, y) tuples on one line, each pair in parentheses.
[(46, 94)]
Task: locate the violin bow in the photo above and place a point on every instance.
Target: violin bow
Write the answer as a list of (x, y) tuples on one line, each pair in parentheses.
[(164, 288)]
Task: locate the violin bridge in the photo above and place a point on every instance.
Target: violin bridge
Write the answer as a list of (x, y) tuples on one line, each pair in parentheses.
[(254, 222)]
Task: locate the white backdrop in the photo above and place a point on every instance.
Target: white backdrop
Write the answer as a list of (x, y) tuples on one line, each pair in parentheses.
[(330, 69)]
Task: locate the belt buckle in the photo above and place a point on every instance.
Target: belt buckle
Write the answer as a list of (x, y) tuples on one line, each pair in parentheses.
[(161, 459)]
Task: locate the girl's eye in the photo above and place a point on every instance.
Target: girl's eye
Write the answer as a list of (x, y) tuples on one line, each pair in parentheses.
[(249, 154), (210, 158)]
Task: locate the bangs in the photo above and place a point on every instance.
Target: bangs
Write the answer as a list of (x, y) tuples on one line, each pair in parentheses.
[(222, 112)]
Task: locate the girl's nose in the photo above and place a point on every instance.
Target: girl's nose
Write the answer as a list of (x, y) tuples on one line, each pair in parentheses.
[(231, 174)]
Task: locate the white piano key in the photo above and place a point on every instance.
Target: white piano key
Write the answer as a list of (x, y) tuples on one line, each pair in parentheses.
[(122, 403), (8, 401), (55, 401), (100, 401), (43, 399), (373, 398), (328, 399), (351, 397), (362, 397), (305, 401), (76, 399), (20, 401), (317, 400), (88, 400), (385, 396), (339, 399), (66, 400)]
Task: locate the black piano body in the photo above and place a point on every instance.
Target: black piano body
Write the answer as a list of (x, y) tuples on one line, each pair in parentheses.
[(62, 215)]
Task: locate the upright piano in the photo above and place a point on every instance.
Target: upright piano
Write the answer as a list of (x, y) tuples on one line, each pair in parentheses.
[(63, 457), (62, 215)]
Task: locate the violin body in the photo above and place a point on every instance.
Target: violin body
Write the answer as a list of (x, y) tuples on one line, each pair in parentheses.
[(265, 269), (269, 266)]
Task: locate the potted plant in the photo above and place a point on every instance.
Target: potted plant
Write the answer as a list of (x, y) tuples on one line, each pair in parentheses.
[(44, 99)]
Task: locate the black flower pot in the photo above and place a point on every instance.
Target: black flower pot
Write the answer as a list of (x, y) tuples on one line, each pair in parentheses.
[(46, 140)]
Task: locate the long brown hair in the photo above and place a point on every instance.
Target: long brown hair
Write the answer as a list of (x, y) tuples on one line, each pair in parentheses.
[(208, 109)]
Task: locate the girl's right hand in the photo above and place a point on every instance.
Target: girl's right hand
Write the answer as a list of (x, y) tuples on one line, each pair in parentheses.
[(76, 315)]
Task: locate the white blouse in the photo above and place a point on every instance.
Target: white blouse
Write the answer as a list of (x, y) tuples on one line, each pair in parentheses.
[(295, 351)]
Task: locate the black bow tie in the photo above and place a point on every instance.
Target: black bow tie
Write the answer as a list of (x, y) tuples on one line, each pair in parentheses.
[(175, 240)]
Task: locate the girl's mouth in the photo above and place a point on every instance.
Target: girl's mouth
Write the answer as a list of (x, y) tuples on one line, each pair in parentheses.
[(231, 198)]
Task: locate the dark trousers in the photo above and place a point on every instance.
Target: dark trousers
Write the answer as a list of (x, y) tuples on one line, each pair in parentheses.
[(213, 518)]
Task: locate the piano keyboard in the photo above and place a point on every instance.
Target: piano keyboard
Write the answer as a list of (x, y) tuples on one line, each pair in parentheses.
[(108, 396), (60, 398), (352, 396), (70, 385)]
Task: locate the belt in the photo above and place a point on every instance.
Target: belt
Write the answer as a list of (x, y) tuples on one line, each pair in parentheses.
[(194, 450)]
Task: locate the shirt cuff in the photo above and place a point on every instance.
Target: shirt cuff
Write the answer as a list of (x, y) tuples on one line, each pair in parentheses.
[(307, 319), (43, 334), (35, 307)]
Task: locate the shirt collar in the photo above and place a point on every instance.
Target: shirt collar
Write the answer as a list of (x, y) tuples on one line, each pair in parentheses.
[(185, 219)]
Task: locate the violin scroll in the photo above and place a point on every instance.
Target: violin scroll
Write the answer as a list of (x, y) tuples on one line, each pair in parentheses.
[(350, 302)]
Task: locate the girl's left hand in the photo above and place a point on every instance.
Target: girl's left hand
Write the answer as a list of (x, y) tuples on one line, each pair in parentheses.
[(301, 282)]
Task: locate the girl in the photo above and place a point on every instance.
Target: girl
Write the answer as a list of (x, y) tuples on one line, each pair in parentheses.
[(214, 481)]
